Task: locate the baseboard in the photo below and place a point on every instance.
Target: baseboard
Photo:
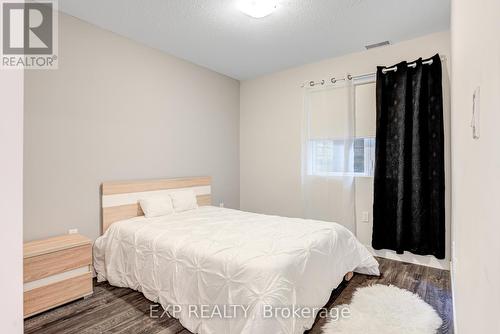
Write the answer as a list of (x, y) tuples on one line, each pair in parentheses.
[(428, 261)]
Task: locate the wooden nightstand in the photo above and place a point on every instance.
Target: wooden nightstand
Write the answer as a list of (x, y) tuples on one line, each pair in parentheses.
[(56, 271)]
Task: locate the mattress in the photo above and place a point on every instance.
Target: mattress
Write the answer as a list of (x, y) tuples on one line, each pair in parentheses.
[(227, 271)]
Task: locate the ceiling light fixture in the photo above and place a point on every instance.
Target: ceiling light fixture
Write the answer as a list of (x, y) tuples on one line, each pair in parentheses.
[(257, 8)]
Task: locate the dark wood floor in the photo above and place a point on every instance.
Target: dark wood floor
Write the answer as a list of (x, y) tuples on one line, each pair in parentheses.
[(120, 310)]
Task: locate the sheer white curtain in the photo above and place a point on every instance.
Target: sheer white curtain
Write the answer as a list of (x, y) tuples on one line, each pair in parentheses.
[(328, 186)]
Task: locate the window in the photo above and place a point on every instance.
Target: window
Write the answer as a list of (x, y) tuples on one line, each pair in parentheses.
[(327, 157)]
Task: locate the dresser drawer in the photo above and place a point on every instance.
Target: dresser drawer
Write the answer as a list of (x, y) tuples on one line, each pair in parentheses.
[(45, 265), (51, 295)]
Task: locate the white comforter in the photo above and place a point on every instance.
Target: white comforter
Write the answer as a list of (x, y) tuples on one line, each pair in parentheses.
[(203, 259)]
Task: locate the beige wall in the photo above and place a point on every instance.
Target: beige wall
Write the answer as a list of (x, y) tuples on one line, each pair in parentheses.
[(11, 200), (271, 110), (118, 110), (476, 166)]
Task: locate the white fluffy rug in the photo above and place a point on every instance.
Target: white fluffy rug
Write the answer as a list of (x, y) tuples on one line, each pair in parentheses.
[(381, 309)]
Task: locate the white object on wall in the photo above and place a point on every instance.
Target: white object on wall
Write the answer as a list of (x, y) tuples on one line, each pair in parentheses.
[(476, 113)]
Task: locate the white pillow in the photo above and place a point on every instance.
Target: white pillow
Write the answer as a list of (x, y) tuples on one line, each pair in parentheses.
[(184, 200), (156, 206)]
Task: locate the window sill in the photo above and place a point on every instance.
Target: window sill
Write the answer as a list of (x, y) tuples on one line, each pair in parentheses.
[(340, 175)]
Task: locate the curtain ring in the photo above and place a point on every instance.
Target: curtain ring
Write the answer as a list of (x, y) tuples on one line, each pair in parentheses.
[(349, 77), (385, 70), (312, 83), (333, 80)]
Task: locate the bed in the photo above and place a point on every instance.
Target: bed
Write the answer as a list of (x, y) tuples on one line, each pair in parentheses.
[(220, 270)]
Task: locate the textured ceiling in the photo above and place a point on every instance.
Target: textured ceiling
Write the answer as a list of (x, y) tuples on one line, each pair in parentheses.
[(215, 34)]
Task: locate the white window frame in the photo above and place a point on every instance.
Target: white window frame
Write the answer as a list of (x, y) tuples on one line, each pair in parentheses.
[(369, 149), (369, 159)]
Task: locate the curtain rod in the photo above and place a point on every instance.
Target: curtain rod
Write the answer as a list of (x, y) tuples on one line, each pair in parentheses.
[(334, 80)]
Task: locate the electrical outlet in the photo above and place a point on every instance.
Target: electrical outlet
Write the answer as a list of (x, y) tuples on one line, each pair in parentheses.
[(365, 217), (73, 231)]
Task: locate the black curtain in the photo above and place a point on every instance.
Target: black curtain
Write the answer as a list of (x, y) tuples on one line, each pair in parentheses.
[(408, 210)]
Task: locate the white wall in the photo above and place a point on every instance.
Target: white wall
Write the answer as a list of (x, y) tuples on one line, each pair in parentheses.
[(118, 110), (271, 109), (476, 166), (11, 200)]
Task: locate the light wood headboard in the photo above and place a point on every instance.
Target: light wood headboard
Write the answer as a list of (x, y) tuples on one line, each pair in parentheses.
[(120, 200)]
